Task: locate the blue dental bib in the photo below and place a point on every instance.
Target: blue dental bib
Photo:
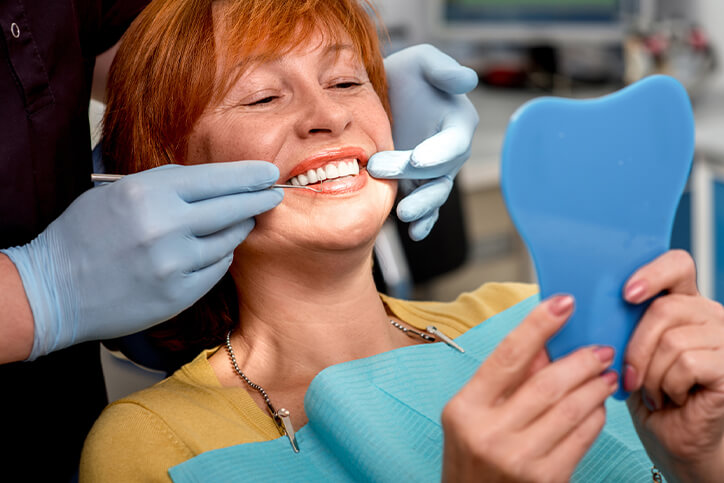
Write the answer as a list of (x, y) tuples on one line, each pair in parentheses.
[(378, 419), (593, 186)]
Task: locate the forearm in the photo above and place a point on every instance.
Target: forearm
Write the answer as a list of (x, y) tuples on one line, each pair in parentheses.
[(16, 319)]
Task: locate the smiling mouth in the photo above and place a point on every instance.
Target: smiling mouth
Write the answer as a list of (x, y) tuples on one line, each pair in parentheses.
[(330, 171)]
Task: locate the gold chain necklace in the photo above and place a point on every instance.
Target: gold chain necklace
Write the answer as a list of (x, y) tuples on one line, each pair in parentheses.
[(282, 418)]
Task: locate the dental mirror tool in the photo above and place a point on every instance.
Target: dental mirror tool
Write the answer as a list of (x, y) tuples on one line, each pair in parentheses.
[(110, 178)]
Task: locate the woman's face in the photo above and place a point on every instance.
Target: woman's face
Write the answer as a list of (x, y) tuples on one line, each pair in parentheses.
[(314, 114)]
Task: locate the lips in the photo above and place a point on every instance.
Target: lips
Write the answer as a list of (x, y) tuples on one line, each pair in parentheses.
[(327, 165)]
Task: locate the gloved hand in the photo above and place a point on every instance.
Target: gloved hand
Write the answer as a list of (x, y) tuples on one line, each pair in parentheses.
[(433, 126), (127, 255)]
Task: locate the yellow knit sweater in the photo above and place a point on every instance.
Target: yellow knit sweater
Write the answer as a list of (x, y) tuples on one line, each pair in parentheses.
[(138, 438)]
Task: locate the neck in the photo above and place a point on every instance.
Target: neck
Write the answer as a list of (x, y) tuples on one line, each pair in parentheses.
[(297, 319)]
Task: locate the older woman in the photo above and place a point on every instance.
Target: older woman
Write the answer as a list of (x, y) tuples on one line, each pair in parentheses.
[(301, 84)]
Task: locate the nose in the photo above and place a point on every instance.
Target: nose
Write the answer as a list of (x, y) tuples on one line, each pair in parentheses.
[(322, 114)]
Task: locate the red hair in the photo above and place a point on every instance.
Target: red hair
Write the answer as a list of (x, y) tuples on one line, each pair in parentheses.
[(165, 72), (165, 75)]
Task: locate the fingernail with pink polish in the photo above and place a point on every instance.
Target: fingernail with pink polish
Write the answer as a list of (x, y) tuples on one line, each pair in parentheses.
[(629, 377), (604, 353), (635, 291), (611, 377), (561, 305)]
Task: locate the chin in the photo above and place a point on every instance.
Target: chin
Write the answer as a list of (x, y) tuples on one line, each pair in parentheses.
[(348, 235), (355, 224), (345, 224)]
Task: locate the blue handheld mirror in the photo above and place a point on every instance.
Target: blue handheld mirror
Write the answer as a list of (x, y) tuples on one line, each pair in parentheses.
[(593, 186)]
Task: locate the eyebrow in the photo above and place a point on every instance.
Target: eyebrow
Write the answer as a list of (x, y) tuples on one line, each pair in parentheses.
[(336, 50), (339, 47), (330, 49)]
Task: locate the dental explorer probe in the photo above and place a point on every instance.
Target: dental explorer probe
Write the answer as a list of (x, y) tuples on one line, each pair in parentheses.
[(110, 178)]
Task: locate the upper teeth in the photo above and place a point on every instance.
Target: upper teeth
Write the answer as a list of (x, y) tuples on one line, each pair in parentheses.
[(330, 171)]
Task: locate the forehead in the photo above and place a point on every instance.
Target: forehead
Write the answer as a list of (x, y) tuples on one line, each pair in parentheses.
[(319, 49)]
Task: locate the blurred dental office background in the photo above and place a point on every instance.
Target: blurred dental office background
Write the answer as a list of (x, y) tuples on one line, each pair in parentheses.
[(522, 49)]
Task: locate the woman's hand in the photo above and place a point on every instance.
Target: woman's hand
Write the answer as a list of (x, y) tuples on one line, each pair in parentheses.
[(521, 418), (676, 358)]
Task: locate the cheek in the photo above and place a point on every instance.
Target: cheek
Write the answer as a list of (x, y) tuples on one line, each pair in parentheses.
[(236, 141), (376, 123), (386, 143), (251, 142), (389, 193), (382, 134)]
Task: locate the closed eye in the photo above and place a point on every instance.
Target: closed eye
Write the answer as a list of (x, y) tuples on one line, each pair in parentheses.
[(346, 85), (265, 100)]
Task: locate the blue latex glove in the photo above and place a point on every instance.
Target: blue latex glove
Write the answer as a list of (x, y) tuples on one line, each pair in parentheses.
[(433, 126), (130, 254)]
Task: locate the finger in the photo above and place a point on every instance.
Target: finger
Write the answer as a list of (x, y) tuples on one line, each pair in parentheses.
[(569, 452), (664, 313), (201, 281), (507, 367), (561, 420), (391, 165), (210, 249), (445, 73), (674, 271), (672, 345), (209, 216), (692, 367), (546, 388), (419, 229), (425, 199), (398, 165), (203, 181), (449, 148)]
